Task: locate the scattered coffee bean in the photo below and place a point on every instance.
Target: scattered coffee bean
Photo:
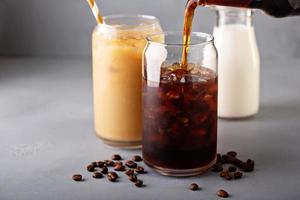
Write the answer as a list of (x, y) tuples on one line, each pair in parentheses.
[(232, 153), (77, 177), (217, 167), (137, 158), (90, 168), (250, 162), (104, 170), (194, 187), (118, 163), (100, 164), (231, 159), (116, 157), (132, 178), (139, 170), (94, 164), (223, 174), (111, 178), (224, 158), (119, 168), (222, 193), (109, 163), (219, 157), (238, 175), (129, 172), (246, 167), (228, 176), (232, 168), (130, 164), (139, 183), (236, 162), (97, 175), (113, 174)]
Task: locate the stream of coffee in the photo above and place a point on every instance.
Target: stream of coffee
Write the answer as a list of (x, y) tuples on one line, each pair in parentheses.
[(187, 28), (189, 16)]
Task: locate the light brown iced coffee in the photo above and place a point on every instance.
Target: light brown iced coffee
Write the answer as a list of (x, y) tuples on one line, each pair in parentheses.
[(118, 46)]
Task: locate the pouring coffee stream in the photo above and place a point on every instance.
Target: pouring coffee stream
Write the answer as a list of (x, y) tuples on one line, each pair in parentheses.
[(275, 8)]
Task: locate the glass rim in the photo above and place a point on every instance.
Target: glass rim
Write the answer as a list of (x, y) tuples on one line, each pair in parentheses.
[(127, 27), (210, 39)]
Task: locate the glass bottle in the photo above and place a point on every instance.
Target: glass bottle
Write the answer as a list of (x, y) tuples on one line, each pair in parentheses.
[(239, 63)]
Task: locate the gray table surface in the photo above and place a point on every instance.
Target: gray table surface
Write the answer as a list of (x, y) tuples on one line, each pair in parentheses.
[(46, 135)]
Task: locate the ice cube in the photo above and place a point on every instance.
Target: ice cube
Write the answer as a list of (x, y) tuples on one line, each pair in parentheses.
[(191, 78)]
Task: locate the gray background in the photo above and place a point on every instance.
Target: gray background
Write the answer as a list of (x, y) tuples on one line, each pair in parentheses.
[(63, 27), (46, 118)]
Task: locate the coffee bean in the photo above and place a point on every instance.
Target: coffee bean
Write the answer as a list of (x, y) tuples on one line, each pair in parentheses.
[(116, 157), (139, 183), (118, 163), (232, 153), (130, 164), (228, 176), (224, 158), (223, 194), (136, 158), (246, 167), (97, 175), (236, 162), (194, 187), (77, 177), (219, 157), (113, 174), (232, 168), (237, 175), (119, 168), (104, 170), (231, 159), (139, 170), (100, 164), (217, 167), (111, 178), (109, 163), (223, 174), (250, 162), (129, 172), (90, 168), (132, 178), (94, 164)]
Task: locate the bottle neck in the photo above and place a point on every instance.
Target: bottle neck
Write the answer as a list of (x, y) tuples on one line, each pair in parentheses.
[(233, 16)]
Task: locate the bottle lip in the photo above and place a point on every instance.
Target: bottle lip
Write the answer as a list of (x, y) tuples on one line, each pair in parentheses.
[(128, 21), (204, 37)]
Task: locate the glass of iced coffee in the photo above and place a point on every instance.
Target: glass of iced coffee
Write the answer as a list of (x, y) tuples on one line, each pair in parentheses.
[(118, 46), (180, 104)]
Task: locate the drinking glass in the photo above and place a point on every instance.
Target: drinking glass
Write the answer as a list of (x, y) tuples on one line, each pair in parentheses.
[(180, 104), (118, 46)]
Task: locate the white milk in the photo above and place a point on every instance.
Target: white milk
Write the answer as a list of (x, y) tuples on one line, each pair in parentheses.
[(239, 69)]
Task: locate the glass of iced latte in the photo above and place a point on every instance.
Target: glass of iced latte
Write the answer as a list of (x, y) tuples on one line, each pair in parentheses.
[(118, 46)]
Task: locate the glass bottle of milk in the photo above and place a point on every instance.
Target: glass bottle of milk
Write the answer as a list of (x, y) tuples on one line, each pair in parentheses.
[(239, 63)]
